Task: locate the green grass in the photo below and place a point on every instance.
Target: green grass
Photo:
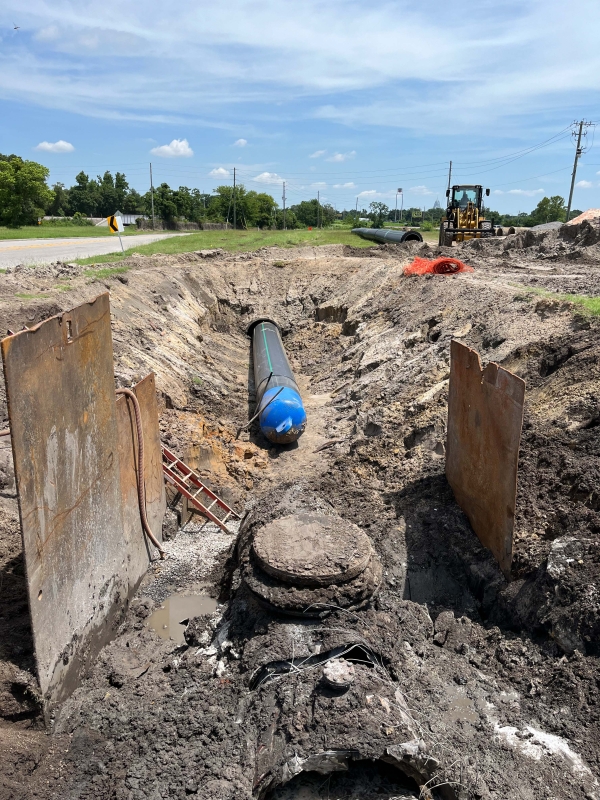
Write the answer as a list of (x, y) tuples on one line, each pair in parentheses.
[(590, 305), (63, 232), (236, 242), (25, 296), (585, 303), (242, 241), (107, 272)]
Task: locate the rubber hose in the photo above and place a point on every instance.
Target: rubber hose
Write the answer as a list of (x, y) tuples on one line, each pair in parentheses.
[(258, 413), (141, 484)]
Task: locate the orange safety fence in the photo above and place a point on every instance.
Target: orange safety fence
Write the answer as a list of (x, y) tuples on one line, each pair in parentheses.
[(441, 266)]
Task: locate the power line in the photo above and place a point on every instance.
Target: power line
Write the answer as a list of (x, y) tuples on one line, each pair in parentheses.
[(372, 172), (533, 177)]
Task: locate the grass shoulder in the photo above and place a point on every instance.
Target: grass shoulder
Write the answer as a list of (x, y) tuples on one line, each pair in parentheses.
[(104, 272), (582, 303), (236, 242), (63, 232)]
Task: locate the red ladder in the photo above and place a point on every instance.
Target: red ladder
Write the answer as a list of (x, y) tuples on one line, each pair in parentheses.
[(188, 483)]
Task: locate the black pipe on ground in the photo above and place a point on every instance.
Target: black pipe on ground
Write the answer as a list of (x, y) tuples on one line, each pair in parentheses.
[(388, 235)]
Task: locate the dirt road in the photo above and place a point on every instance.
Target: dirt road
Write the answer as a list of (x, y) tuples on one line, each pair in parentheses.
[(467, 686), (46, 251)]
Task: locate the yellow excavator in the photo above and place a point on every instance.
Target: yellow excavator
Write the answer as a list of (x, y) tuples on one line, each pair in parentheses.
[(465, 216)]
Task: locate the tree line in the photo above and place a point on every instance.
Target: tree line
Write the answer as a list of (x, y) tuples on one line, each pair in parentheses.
[(25, 196)]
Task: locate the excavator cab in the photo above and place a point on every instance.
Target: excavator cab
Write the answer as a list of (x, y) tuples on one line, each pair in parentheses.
[(465, 217)]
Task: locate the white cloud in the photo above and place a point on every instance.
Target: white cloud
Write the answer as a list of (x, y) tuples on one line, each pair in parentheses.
[(526, 192), (420, 190), (240, 143), (375, 194), (522, 192), (349, 185), (236, 52), (584, 184), (219, 172), (318, 185), (55, 147), (317, 154), (179, 148), (269, 177), (47, 34), (337, 157)]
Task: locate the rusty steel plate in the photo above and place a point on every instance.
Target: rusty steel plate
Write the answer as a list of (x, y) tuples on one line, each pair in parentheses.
[(485, 416), (61, 404), (138, 549)]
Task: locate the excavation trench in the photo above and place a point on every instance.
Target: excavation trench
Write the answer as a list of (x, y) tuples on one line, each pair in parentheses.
[(463, 685)]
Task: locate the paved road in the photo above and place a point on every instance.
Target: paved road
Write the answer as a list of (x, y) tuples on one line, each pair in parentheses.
[(45, 251)]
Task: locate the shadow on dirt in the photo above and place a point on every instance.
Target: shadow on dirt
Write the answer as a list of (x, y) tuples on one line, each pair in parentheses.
[(447, 568)]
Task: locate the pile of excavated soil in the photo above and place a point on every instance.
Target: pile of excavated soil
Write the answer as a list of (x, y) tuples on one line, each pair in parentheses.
[(462, 681), (592, 214)]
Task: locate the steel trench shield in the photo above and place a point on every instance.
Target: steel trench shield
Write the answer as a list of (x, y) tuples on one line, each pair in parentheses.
[(61, 403), (485, 416)]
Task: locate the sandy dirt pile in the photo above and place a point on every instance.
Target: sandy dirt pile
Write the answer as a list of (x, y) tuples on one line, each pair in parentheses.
[(464, 686), (592, 214)]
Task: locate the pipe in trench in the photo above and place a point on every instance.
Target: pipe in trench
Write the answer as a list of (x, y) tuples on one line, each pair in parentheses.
[(388, 235), (280, 410)]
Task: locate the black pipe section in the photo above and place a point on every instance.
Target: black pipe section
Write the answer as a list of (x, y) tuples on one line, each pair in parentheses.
[(284, 417), (388, 235)]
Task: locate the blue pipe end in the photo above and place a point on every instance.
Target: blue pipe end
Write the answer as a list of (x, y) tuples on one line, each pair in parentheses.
[(285, 418)]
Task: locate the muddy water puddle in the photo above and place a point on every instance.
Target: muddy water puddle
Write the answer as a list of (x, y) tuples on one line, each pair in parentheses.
[(462, 707), (170, 619)]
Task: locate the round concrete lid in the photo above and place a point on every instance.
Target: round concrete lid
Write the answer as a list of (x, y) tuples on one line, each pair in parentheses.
[(339, 673), (309, 549)]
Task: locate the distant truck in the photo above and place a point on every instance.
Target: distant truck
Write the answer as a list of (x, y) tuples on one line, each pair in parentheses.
[(465, 216)]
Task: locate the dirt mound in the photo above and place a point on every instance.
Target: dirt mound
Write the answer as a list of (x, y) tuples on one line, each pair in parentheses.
[(592, 214), (56, 270)]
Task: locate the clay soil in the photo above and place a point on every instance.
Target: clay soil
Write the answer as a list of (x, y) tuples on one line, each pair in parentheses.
[(466, 685)]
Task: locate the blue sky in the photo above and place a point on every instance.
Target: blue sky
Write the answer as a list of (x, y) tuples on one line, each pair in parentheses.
[(348, 99)]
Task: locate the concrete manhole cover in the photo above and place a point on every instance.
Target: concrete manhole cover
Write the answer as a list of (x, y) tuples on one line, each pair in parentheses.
[(309, 549)]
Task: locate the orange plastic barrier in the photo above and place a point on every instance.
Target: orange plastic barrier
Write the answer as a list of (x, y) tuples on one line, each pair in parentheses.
[(441, 266)]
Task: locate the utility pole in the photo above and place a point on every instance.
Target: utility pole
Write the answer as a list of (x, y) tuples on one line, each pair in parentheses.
[(283, 205), (401, 206), (152, 195), (234, 217), (357, 210), (578, 152), (318, 207), (398, 191), (450, 175)]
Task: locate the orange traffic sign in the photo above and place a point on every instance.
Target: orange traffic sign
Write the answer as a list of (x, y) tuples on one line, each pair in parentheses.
[(115, 224)]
